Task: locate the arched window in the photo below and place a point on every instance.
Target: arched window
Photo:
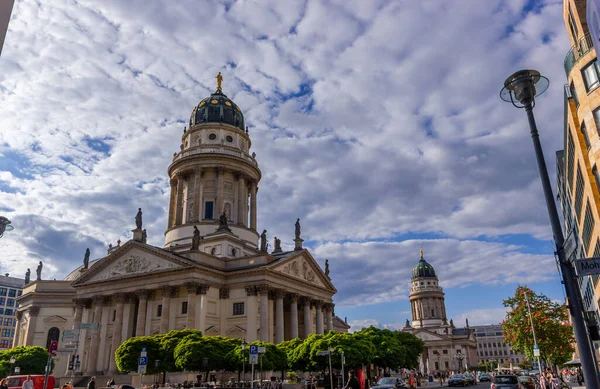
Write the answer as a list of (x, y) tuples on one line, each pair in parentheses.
[(53, 334)]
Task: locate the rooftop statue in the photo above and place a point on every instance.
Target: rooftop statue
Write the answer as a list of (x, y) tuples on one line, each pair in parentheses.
[(263, 241), (27, 276), (219, 81), (298, 228), (138, 219), (86, 258), (39, 271), (196, 239), (327, 268)]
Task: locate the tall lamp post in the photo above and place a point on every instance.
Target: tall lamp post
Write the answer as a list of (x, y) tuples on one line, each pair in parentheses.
[(244, 344), (12, 364), (533, 331), (520, 89)]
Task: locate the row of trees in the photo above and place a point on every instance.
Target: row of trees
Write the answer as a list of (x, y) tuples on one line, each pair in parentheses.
[(30, 360), (184, 350)]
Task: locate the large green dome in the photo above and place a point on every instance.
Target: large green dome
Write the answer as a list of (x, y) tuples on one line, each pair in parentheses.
[(218, 108), (423, 269)]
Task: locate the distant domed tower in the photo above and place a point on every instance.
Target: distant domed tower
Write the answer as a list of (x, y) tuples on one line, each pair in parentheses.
[(213, 174), (426, 297)]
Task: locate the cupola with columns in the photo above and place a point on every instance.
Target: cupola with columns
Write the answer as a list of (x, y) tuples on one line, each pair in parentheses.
[(426, 296), (214, 173)]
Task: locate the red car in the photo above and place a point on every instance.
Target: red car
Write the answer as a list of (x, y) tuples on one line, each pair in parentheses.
[(16, 381)]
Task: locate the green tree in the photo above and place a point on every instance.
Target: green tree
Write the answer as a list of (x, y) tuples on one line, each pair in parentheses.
[(551, 321), (31, 360), (295, 360), (126, 356), (170, 341), (190, 352), (525, 364), (413, 348), (388, 352), (358, 349)]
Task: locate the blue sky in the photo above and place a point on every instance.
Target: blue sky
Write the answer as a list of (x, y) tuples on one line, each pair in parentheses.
[(377, 123)]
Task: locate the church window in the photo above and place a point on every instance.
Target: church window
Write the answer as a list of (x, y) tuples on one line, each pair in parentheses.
[(184, 308), (229, 138), (233, 252), (53, 335), (212, 136), (114, 315), (159, 310), (428, 283), (208, 209), (445, 352), (446, 364), (213, 251), (437, 365), (422, 283), (432, 313), (238, 308)]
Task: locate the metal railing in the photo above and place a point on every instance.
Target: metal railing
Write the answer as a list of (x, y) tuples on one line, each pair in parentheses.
[(205, 149), (581, 48)]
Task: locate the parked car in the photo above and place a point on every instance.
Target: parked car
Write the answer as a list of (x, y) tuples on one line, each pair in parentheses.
[(484, 377), (506, 381), (527, 381), (458, 380), (470, 378), (16, 381), (390, 383)]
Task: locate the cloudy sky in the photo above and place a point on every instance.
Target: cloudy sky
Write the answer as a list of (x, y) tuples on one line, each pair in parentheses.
[(378, 123)]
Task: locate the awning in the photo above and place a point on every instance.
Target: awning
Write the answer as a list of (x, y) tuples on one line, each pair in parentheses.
[(575, 361)]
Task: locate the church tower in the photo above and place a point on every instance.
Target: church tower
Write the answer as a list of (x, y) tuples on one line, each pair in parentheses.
[(426, 297), (213, 174)]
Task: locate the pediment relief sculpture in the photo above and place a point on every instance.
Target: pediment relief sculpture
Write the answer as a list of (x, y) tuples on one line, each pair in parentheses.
[(133, 264)]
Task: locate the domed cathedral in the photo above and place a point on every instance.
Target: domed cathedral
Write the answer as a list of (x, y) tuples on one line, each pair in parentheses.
[(211, 274), (447, 348)]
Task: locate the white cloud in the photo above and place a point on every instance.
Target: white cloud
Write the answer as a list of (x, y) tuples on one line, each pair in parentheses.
[(481, 316)]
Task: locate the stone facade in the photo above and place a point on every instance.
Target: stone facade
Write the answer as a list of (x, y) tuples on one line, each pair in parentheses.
[(221, 285), (447, 348)]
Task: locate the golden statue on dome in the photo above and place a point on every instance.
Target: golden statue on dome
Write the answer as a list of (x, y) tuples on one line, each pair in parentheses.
[(219, 81), (421, 251)]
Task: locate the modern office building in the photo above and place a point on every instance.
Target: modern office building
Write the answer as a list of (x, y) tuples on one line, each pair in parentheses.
[(491, 346), (10, 289)]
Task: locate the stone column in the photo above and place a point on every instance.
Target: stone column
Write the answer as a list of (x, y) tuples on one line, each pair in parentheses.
[(251, 313), (33, 312), (307, 317), (98, 302), (264, 312), (319, 315), (253, 190), (242, 218), (202, 291), (192, 290), (294, 315), (172, 203), (198, 195), (279, 327), (220, 184), (329, 314), (117, 331), (167, 293), (17, 337), (140, 327), (179, 202)]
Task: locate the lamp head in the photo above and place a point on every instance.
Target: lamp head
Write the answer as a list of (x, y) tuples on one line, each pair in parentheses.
[(523, 87)]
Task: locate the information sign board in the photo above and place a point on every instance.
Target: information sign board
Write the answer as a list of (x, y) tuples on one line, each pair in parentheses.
[(262, 350), (253, 359), (587, 266), (253, 349), (89, 326)]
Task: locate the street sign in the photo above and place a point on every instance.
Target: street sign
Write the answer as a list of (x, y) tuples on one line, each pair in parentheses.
[(570, 244), (90, 326), (70, 346), (253, 349), (253, 359), (141, 369), (326, 352), (70, 335), (142, 361), (262, 350), (63, 351), (587, 266), (53, 347)]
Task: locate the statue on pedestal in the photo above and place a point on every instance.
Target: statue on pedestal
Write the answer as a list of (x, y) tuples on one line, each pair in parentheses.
[(27, 276), (39, 271), (263, 241), (277, 245), (298, 228), (196, 239), (138, 219), (327, 268), (86, 258), (223, 222)]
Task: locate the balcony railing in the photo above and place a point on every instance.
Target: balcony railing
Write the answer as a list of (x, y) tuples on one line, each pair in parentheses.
[(205, 149), (581, 48)]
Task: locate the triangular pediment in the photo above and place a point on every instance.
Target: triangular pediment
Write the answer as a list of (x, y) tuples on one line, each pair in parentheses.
[(55, 319), (304, 267), (131, 260), (428, 335)]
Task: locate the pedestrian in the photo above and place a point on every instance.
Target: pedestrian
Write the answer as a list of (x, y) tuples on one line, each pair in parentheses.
[(92, 383), (110, 383), (28, 383), (352, 381), (4, 383)]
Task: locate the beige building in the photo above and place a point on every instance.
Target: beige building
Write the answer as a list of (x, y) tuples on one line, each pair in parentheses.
[(212, 273), (447, 348), (491, 346)]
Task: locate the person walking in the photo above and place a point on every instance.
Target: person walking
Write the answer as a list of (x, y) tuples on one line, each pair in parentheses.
[(28, 383), (352, 381), (92, 383)]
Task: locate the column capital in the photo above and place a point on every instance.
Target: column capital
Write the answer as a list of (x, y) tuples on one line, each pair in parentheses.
[(329, 307), (130, 298), (279, 293), (251, 290), (19, 315), (79, 303), (203, 289), (219, 169), (223, 293), (238, 174), (306, 300), (293, 297), (34, 310), (120, 298), (168, 291), (263, 289), (143, 294), (191, 287), (99, 300), (319, 304)]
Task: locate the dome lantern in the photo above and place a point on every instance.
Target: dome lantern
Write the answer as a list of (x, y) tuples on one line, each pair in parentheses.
[(217, 108), (423, 269)]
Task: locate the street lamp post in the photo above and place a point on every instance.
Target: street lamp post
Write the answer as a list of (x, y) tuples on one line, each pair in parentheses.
[(205, 368), (12, 364), (521, 88), (533, 331), (244, 344)]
